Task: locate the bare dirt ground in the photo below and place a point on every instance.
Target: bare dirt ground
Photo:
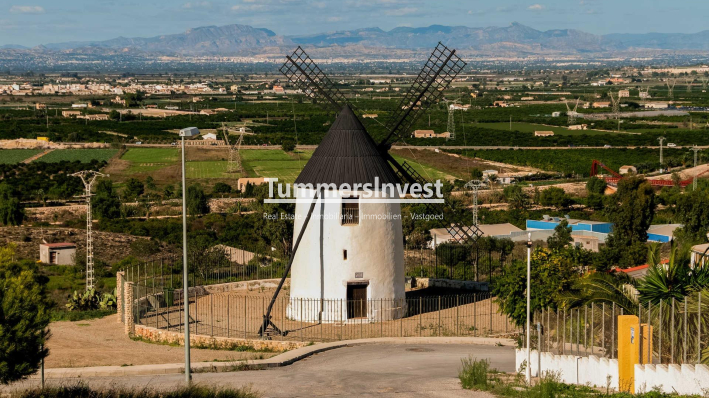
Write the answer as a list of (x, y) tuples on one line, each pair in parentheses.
[(102, 342), (457, 165), (685, 174)]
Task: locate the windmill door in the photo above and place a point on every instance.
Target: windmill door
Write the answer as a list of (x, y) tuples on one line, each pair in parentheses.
[(356, 300)]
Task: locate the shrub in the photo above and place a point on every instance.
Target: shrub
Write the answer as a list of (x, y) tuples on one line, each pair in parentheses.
[(82, 391), (473, 374)]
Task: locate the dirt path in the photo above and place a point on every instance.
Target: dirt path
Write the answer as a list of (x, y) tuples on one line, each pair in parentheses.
[(37, 156), (102, 342)]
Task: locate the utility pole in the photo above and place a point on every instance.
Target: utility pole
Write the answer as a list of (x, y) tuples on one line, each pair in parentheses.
[(661, 139), (695, 149), (88, 177)]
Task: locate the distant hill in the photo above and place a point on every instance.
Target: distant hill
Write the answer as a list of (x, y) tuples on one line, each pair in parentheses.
[(515, 39), (216, 40)]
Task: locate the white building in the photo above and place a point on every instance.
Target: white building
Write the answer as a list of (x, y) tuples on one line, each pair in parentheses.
[(352, 252), (57, 253), (209, 136)]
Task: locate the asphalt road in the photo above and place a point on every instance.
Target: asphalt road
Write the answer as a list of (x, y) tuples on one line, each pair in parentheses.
[(381, 370)]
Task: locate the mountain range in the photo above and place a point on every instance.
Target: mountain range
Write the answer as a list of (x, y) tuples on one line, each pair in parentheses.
[(516, 39)]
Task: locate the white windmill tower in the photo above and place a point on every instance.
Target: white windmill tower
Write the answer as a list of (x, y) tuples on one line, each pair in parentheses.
[(348, 252)]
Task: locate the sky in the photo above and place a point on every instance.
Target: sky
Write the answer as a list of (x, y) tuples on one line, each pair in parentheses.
[(34, 22)]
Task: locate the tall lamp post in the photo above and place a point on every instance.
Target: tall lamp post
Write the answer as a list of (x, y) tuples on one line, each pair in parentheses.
[(529, 283), (187, 132)]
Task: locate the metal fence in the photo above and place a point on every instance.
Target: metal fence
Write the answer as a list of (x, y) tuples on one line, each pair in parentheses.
[(240, 315), (677, 330), (459, 262)]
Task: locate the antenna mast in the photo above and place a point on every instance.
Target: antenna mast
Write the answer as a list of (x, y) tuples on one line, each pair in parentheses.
[(88, 177), (661, 139)]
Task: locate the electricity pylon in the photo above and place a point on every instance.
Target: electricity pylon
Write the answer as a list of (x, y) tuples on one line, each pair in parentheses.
[(475, 185), (695, 149), (88, 177), (572, 113), (615, 100), (661, 140), (451, 119), (670, 87), (234, 164)]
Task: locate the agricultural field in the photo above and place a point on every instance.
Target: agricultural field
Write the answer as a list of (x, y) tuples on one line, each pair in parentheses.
[(12, 156), (578, 161), (274, 163), (82, 155), (532, 127), (146, 160)]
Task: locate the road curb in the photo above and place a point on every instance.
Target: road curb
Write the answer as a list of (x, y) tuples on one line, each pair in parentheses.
[(284, 359)]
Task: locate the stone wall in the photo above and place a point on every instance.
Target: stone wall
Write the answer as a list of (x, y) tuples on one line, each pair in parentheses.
[(203, 341), (422, 283)]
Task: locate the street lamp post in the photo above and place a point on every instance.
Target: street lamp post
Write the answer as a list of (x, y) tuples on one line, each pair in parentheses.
[(187, 132), (529, 284)]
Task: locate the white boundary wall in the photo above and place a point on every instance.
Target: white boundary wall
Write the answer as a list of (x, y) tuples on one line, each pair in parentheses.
[(682, 379), (603, 372), (571, 369)]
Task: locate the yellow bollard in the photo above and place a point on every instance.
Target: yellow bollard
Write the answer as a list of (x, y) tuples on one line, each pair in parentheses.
[(628, 351)]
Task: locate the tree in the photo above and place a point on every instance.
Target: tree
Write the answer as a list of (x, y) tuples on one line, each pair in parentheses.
[(552, 273), (150, 183), (114, 115), (631, 210), (554, 196), (133, 189), (596, 185), (11, 209), (562, 236), (476, 174), (516, 197), (693, 212), (105, 202), (24, 318), (196, 200), (221, 187), (288, 145)]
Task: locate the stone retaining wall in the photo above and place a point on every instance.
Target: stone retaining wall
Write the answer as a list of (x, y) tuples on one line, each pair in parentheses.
[(422, 283), (203, 341)]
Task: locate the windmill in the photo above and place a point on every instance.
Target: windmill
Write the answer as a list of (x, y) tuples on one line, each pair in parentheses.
[(88, 177), (365, 252), (572, 113), (234, 164)]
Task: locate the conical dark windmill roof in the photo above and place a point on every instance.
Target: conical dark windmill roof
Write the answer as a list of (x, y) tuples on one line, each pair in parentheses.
[(347, 154)]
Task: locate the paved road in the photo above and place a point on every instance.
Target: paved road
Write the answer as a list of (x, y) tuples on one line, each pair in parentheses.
[(381, 370)]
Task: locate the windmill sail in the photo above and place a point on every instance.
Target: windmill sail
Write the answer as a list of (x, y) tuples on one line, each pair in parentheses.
[(305, 74)]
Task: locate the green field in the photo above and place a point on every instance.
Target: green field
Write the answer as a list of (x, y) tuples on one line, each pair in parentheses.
[(531, 128), (208, 169), (12, 156), (274, 163), (82, 155), (146, 160), (425, 170), (152, 155)]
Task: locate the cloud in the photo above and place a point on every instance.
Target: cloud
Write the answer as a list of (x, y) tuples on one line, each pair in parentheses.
[(334, 19), (249, 7), (399, 12), (535, 7), (198, 4), (27, 10)]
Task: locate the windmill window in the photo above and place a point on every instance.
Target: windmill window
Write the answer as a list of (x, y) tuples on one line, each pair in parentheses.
[(350, 210), (344, 254)]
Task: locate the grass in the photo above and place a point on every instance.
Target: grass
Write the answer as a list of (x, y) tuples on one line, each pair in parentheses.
[(273, 163), (74, 316), (13, 156), (425, 170), (475, 374), (208, 169), (531, 128), (228, 346), (82, 155), (82, 391), (147, 160)]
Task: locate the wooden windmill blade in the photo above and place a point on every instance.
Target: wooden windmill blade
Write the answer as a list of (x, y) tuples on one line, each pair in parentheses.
[(305, 74), (437, 74)]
